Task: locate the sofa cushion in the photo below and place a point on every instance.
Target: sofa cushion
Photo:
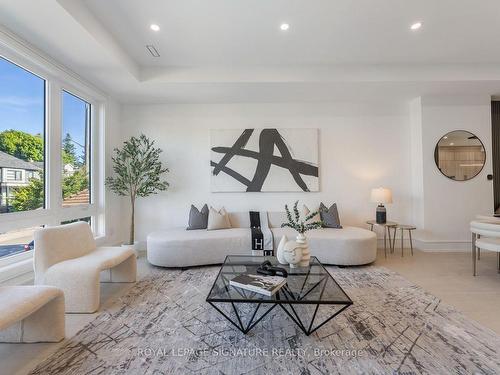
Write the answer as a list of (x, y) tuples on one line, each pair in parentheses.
[(102, 258), (181, 248), (306, 211), (218, 219), (329, 216), (198, 219)]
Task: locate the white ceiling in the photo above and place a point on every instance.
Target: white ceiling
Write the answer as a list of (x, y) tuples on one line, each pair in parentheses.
[(246, 32), (233, 50)]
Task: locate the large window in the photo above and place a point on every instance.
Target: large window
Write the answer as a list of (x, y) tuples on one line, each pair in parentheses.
[(22, 132), (46, 152), (75, 150)]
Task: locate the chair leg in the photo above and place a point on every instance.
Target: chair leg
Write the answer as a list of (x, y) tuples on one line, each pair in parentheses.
[(125, 272), (498, 262), (474, 254)]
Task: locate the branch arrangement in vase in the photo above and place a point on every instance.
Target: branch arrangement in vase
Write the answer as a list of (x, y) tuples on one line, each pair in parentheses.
[(295, 222), (138, 172)]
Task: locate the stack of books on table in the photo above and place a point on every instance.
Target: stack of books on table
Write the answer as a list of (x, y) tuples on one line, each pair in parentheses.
[(266, 285)]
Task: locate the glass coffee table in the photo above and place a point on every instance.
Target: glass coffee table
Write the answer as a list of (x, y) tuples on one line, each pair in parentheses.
[(311, 297)]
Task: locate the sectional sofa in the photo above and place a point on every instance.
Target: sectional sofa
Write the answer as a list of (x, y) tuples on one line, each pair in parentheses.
[(179, 247)]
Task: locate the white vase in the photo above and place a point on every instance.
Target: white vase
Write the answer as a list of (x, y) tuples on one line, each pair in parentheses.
[(280, 252), (304, 246)]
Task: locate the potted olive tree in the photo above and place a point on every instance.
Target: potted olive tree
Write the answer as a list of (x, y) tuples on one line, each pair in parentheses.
[(138, 173)]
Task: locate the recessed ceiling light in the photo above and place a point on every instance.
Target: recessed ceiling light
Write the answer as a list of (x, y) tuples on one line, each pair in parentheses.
[(284, 26), (452, 144), (416, 26), (155, 27)]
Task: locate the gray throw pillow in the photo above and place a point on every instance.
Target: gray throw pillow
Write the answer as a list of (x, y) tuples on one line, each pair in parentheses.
[(330, 216), (198, 219)]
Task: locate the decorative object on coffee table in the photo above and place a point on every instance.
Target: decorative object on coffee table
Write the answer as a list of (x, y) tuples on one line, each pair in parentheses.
[(380, 196), (297, 254), (138, 173)]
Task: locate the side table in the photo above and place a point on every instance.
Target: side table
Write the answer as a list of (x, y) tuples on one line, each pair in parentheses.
[(408, 228), (387, 232)]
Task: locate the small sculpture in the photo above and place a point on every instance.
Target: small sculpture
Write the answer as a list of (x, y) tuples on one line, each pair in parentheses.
[(296, 253)]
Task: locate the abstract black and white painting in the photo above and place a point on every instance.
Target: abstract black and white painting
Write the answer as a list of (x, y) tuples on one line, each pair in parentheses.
[(264, 160)]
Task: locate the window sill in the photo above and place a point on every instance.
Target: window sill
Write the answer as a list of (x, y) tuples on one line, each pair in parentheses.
[(21, 267)]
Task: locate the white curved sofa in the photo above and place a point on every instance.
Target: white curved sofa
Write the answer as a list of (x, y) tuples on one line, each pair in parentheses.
[(179, 247)]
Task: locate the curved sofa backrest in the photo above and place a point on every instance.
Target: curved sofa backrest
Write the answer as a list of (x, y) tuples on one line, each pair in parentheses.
[(276, 219), (242, 219), (57, 244)]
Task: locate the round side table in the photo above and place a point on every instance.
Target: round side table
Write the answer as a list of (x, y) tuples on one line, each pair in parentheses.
[(408, 228), (387, 232)]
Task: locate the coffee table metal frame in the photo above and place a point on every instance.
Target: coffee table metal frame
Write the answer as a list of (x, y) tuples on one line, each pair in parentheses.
[(285, 298)]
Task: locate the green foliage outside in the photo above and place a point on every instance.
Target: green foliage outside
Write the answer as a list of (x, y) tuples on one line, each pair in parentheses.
[(30, 148), (29, 197), (75, 183), (68, 151), (22, 145)]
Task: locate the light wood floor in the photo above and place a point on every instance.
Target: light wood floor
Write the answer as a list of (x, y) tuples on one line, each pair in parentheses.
[(446, 275), (449, 277)]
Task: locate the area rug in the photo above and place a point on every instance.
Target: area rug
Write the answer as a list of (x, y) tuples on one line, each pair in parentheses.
[(164, 326)]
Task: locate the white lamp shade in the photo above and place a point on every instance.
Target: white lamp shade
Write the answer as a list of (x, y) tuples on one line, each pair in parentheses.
[(381, 195)]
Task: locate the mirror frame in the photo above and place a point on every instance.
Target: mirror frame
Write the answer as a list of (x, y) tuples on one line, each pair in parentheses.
[(436, 158)]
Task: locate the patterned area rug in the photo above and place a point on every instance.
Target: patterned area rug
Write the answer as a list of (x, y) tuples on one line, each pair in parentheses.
[(164, 326)]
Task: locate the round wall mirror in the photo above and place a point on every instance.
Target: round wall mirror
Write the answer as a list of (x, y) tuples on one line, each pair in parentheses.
[(460, 155)]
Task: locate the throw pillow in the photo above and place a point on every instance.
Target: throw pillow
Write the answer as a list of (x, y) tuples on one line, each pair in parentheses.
[(306, 212), (330, 216), (198, 219), (218, 219)]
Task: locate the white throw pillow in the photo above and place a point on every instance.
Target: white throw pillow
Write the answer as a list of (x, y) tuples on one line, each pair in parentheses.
[(218, 219), (306, 211)]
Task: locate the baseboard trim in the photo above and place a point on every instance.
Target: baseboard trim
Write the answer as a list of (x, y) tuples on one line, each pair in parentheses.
[(430, 245)]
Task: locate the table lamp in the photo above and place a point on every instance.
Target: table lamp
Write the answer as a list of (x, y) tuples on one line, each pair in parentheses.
[(380, 196)]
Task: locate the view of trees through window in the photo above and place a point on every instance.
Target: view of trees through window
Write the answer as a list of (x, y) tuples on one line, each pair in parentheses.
[(22, 148), (22, 129), (75, 150)]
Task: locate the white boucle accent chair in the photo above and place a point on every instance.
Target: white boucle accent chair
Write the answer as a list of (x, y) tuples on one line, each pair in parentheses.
[(31, 314), (67, 257)]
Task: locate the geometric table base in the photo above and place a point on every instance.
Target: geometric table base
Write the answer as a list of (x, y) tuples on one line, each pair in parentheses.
[(309, 317), (243, 316)]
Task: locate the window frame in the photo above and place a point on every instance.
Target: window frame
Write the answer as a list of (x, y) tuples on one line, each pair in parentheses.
[(58, 78)]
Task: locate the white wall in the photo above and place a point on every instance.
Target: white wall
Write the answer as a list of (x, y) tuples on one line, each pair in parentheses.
[(449, 206), (114, 229), (361, 147)]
